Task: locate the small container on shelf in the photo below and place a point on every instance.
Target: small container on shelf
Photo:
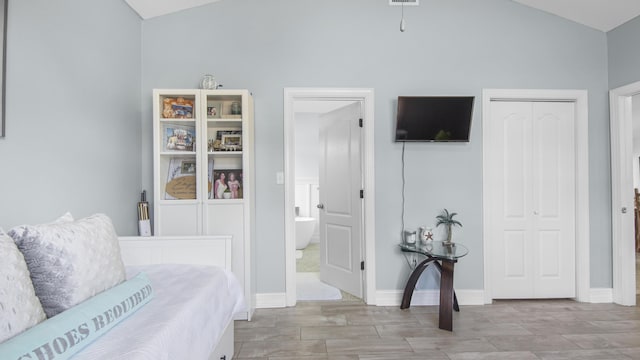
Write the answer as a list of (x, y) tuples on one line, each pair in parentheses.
[(208, 82), (236, 108)]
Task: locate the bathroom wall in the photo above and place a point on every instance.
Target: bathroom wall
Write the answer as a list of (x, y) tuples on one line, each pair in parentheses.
[(307, 156)]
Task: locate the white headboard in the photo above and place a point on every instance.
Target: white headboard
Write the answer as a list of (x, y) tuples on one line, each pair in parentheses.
[(196, 250)]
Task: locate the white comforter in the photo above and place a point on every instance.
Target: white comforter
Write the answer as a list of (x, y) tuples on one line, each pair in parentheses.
[(186, 318)]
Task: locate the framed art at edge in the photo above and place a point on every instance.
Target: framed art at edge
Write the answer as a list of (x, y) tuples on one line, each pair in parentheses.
[(3, 48)]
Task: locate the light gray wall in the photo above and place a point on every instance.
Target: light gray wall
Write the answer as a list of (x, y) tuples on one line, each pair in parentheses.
[(73, 110), (624, 54), (453, 47)]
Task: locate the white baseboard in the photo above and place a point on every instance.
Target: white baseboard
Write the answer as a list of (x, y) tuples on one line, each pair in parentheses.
[(241, 316), (421, 297), (428, 297), (600, 295), (271, 300), (470, 297)]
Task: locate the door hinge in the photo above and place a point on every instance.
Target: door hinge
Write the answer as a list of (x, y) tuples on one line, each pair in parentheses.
[(361, 194), (361, 265), (360, 122)]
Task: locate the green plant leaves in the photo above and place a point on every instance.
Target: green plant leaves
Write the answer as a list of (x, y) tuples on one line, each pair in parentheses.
[(446, 218)]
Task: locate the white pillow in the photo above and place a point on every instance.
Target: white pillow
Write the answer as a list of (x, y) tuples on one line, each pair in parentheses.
[(64, 218), (20, 309), (70, 261)]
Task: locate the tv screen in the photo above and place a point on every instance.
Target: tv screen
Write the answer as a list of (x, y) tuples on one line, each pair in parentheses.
[(434, 118)]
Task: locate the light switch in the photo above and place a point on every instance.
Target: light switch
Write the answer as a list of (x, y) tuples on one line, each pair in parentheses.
[(280, 178)]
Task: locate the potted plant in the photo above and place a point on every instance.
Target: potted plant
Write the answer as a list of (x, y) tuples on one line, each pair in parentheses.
[(446, 218), (226, 194)]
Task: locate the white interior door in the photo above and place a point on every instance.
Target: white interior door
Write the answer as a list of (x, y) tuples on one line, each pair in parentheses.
[(340, 204), (623, 129), (533, 219)]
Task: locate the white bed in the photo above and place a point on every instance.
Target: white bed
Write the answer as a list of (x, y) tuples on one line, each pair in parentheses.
[(191, 314)]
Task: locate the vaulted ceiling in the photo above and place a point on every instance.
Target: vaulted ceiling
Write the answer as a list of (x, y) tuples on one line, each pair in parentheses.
[(152, 8), (603, 15)]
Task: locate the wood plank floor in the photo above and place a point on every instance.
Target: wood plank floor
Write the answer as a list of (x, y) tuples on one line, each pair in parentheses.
[(516, 329)]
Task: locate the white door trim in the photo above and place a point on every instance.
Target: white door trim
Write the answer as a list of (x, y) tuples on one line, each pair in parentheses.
[(367, 97), (580, 98), (623, 244)]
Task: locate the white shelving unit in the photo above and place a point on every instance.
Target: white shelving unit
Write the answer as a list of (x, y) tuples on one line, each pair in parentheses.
[(204, 171)]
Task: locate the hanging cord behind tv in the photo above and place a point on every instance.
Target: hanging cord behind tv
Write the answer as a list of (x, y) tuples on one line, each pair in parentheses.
[(414, 261), (403, 182)]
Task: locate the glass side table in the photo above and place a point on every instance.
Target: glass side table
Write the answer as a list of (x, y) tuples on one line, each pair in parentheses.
[(444, 256)]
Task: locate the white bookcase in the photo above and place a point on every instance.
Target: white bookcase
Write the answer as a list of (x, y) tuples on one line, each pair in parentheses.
[(204, 171)]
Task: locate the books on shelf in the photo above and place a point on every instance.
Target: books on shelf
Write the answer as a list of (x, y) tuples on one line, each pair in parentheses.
[(181, 179), (210, 179)]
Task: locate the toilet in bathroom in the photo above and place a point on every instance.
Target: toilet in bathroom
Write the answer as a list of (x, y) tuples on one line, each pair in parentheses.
[(304, 230)]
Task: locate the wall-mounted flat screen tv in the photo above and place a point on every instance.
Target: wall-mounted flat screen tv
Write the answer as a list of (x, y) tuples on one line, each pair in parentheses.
[(434, 118)]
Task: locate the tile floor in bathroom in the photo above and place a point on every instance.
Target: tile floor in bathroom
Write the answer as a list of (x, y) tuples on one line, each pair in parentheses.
[(310, 262)]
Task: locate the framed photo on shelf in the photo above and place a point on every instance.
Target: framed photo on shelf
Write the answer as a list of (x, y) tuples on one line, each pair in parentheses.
[(232, 142), (180, 138), (214, 109), (227, 184), (188, 167), (177, 108), (219, 133)]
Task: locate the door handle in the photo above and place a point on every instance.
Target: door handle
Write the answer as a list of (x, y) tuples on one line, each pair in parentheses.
[(624, 210), (320, 206)]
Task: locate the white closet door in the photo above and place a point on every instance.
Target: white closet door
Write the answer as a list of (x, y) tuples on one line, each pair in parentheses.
[(533, 218), (554, 199)]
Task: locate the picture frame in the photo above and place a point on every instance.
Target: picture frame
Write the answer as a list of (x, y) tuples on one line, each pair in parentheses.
[(179, 138), (232, 142), (188, 167), (214, 109), (227, 184), (220, 133), (177, 107), (3, 71)]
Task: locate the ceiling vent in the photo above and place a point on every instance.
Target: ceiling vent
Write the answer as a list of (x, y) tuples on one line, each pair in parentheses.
[(404, 2)]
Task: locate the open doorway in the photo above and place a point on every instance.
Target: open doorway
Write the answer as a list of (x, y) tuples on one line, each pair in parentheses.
[(319, 114), (328, 208)]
